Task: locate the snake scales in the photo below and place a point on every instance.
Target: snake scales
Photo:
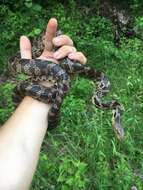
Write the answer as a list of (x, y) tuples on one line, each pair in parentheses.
[(43, 70)]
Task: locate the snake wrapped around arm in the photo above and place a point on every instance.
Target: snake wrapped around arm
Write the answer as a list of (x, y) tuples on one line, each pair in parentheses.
[(41, 70)]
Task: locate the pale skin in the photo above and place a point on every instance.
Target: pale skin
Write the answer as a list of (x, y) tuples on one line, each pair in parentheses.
[(22, 135)]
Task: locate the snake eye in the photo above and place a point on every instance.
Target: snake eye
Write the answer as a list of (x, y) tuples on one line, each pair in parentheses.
[(101, 85), (114, 114)]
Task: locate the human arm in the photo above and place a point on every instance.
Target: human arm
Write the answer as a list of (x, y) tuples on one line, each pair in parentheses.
[(20, 141), (22, 135)]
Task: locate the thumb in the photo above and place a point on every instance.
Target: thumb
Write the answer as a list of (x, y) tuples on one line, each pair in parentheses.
[(25, 48)]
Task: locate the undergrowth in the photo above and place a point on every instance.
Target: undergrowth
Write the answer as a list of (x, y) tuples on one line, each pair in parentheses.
[(83, 152)]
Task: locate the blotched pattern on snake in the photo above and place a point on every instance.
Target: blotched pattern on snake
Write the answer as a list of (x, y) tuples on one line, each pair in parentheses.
[(43, 70)]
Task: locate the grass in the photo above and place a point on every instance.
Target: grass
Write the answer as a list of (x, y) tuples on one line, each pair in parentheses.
[(83, 153), (86, 135)]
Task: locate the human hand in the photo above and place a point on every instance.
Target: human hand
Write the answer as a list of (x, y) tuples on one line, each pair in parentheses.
[(64, 43)]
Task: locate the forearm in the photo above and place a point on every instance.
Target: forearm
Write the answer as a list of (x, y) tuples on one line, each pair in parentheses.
[(20, 141)]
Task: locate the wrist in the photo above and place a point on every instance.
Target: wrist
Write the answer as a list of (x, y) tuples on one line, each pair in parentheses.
[(31, 102), (34, 107), (29, 110)]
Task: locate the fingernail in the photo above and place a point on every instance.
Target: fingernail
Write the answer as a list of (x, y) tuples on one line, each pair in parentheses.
[(56, 55)]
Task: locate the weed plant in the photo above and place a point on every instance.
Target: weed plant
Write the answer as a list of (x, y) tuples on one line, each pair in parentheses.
[(83, 153)]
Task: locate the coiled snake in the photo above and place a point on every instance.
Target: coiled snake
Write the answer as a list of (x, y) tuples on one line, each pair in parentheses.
[(42, 70)]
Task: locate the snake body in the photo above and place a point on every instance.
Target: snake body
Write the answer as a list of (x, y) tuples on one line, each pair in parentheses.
[(41, 70)]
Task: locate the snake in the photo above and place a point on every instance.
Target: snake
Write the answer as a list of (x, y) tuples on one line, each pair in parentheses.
[(124, 27), (38, 70)]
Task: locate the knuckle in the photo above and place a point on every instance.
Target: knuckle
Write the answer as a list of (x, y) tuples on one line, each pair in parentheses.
[(68, 48), (70, 42), (62, 48), (65, 48), (82, 57), (64, 36), (67, 40), (85, 60), (73, 49), (80, 54)]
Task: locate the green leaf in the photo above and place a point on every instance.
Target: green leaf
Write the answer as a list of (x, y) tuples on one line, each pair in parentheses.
[(37, 7), (37, 31), (28, 3), (22, 77)]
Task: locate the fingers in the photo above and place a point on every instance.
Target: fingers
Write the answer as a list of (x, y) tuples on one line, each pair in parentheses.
[(50, 40), (78, 56), (25, 48), (62, 40), (50, 34), (45, 55), (64, 51), (65, 41), (48, 58)]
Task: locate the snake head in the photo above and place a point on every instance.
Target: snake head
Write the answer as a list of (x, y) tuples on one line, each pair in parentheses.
[(119, 131), (116, 121)]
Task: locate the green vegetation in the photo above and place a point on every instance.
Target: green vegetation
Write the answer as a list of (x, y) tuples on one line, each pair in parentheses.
[(83, 152)]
